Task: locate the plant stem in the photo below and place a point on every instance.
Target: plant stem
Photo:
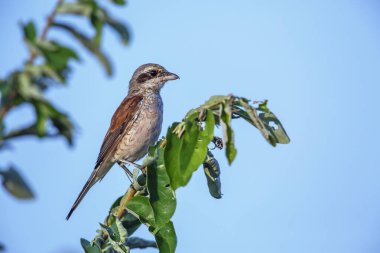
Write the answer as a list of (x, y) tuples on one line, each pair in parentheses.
[(124, 201), (49, 22)]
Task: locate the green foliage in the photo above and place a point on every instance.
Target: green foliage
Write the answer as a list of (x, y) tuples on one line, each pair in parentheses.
[(161, 195), (56, 55), (98, 17), (262, 118), (89, 247), (228, 133), (117, 236), (91, 45), (166, 238), (212, 172), (119, 2), (15, 184), (171, 163), (186, 151), (140, 207), (138, 243), (30, 32), (27, 85)]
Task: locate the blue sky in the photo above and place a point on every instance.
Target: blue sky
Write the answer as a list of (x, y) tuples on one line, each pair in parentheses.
[(317, 62)]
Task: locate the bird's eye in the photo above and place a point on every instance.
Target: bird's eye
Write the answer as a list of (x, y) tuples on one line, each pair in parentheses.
[(153, 73)]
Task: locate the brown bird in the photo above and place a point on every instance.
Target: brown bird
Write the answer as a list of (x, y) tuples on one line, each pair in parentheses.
[(135, 125)]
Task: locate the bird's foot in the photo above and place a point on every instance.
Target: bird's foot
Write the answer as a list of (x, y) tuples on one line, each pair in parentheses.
[(140, 167), (130, 175), (131, 163)]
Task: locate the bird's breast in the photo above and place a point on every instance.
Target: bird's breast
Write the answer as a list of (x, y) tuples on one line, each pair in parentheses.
[(144, 131)]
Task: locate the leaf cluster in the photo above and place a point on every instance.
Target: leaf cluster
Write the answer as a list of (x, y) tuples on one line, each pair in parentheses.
[(50, 64), (170, 165)]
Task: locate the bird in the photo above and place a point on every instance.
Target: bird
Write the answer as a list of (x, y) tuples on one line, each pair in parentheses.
[(135, 125)]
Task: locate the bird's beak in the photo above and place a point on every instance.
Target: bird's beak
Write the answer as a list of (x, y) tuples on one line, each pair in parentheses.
[(170, 76)]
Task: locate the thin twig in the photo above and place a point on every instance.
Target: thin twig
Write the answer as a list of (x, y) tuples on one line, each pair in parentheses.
[(26, 132), (49, 22)]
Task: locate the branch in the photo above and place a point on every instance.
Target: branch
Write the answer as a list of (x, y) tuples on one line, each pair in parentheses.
[(49, 23), (20, 132), (27, 131)]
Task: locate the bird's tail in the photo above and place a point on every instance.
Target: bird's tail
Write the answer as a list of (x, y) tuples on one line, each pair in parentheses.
[(90, 182)]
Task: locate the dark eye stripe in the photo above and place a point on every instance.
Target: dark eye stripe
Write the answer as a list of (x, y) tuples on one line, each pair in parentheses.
[(143, 77), (146, 76)]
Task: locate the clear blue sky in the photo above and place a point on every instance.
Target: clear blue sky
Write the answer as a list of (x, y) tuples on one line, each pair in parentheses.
[(318, 63)]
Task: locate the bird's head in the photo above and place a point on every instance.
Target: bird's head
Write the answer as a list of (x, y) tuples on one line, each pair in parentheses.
[(150, 77)]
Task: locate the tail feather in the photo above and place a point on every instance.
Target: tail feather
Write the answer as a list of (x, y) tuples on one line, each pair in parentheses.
[(90, 182)]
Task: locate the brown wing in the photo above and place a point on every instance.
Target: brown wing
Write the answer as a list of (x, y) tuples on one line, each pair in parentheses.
[(122, 119)]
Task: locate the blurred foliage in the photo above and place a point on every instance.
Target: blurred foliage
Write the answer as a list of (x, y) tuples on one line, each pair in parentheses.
[(171, 163), (14, 183), (49, 65)]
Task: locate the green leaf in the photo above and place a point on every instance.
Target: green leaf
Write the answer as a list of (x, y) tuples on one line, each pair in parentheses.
[(119, 27), (30, 32), (64, 126), (78, 8), (38, 71), (117, 236), (166, 239), (46, 111), (212, 172), (139, 243), (161, 195), (26, 88), (130, 222), (273, 124), (116, 231), (119, 231), (215, 101), (89, 9), (112, 213), (256, 121), (89, 247), (14, 183), (184, 155), (90, 45), (97, 22), (165, 236), (212, 103), (55, 54), (264, 120), (118, 2), (41, 120), (140, 207), (228, 134)]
